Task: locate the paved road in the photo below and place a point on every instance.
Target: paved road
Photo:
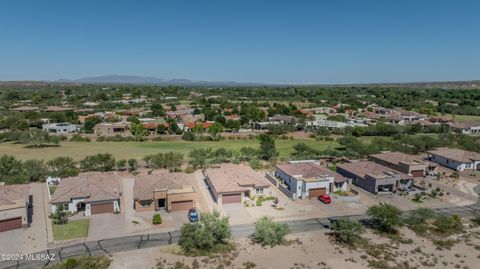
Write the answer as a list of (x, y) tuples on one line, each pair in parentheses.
[(126, 243)]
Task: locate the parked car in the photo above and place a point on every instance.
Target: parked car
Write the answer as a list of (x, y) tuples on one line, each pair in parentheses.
[(193, 215), (325, 198)]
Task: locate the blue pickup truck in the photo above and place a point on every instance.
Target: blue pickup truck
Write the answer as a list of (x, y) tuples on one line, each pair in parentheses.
[(193, 215)]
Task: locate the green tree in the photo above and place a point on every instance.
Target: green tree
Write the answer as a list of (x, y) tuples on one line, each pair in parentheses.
[(199, 158), (161, 129), (37, 138), (121, 165), (34, 170), (215, 129), (102, 162), (138, 130), (90, 122), (11, 170), (63, 167), (132, 165), (269, 233), (386, 217), (268, 149), (347, 231), (211, 233)]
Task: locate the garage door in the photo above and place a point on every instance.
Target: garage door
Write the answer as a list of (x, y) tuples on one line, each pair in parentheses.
[(314, 193), (231, 198), (102, 208), (417, 173), (10, 224), (182, 205)]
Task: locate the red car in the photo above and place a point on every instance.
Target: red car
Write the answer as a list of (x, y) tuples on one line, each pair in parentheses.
[(325, 198)]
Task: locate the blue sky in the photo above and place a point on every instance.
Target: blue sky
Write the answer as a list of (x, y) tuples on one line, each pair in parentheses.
[(250, 41)]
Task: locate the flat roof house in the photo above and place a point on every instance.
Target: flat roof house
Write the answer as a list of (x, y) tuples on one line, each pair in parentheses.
[(232, 183), (60, 128), (405, 163), (374, 177), (309, 180), (88, 193), (456, 159), (15, 207), (169, 191), (111, 129)]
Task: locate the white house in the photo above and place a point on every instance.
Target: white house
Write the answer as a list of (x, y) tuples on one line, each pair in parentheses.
[(307, 179), (456, 159), (60, 128)]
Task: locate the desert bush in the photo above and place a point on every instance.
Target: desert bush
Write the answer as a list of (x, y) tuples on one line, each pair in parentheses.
[(347, 231), (269, 233)]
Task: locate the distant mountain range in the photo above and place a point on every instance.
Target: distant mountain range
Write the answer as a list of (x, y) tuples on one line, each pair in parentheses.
[(125, 79)]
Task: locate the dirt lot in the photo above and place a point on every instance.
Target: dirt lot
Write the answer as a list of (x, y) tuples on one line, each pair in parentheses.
[(315, 250)]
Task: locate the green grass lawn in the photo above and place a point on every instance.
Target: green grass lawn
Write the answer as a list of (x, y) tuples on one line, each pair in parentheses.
[(126, 150), (465, 118), (73, 229)]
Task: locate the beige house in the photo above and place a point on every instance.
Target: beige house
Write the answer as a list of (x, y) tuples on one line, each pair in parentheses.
[(405, 163), (169, 191), (230, 183), (88, 193), (15, 207), (111, 129)]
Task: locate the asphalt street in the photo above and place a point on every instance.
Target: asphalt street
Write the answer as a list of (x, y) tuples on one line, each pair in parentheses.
[(126, 243)]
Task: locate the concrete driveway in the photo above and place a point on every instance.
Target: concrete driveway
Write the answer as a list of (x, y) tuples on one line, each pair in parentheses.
[(33, 238), (237, 213), (106, 225), (12, 242)]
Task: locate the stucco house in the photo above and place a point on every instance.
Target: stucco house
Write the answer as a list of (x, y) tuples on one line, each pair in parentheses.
[(15, 207), (230, 183), (309, 179), (375, 178), (470, 128), (111, 129), (61, 128), (88, 193), (456, 159), (405, 163), (169, 191)]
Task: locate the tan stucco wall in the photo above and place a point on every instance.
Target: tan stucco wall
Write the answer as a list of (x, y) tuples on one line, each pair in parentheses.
[(159, 195)]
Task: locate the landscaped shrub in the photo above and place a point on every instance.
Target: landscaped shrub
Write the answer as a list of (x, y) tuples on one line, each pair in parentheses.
[(157, 219)]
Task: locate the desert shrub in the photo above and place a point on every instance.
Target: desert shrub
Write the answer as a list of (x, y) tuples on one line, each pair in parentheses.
[(417, 219), (386, 217), (269, 233), (446, 225), (87, 262), (210, 234), (347, 231)]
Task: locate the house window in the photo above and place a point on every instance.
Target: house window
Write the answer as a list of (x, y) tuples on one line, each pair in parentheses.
[(258, 191), (145, 203), (468, 165)]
